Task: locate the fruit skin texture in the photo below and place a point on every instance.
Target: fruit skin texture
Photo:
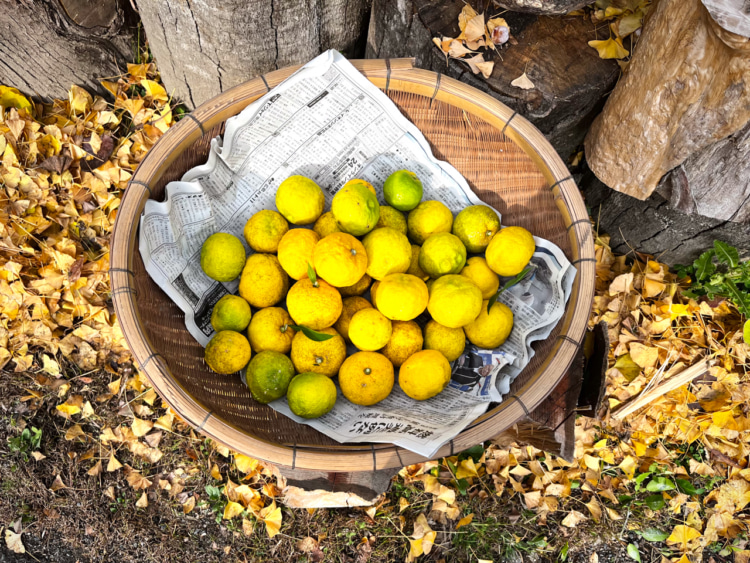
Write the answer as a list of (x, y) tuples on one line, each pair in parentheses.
[(392, 217), (231, 313), (222, 257), (358, 288), (366, 378), (414, 268), (510, 250), (402, 297), (490, 331), (403, 190), (311, 395), (264, 282), (356, 208), (450, 342), (441, 254), (478, 271), (227, 352), (369, 330), (406, 340), (475, 226), (264, 230), (318, 357), (351, 306), (455, 301), (270, 330), (300, 200), (314, 307), (373, 293), (424, 375), (326, 225), (268, 375), (340, 259), (388, 252), (296, 252), (428, 218)]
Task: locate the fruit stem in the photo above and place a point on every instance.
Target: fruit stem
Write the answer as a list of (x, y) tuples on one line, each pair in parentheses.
[(283, 328), (354, 251), (318, 360), (488, 233), (368, 371)]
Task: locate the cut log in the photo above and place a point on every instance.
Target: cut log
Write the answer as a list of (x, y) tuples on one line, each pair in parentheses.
[(547, 7), (47, 46), (653, 227), (714, 182), (205, 48), (569, 77), (685, 89)]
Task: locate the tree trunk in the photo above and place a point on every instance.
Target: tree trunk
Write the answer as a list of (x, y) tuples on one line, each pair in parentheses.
[(570, 79), (653, 227), (205, 47), (48, 45)]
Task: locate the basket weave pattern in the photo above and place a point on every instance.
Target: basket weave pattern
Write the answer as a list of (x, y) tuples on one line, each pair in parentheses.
[(508, 167)]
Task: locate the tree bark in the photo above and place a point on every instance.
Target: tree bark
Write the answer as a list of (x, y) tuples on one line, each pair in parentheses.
[(205, 47), (550, 7), (570, 79), (653, 227), (685, 89), (48, 45), (714, 182)]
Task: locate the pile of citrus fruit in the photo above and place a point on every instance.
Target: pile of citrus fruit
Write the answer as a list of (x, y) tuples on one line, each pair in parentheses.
[(360, 276)]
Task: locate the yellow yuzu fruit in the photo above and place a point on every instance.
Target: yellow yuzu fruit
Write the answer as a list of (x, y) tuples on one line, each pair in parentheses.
[(227, 352), (264, 230), (263, 282), (475, 226), (231, 312), (270, 329), (326, 225), (340, 259), (455, 301), (406, 339), (424, 374), (316, 305), (414, 268), (441, 254), (369, 330), (222, 257), (402, 297), (510, 250), (392, 217), (356, 208), (450, 342), (373, 292), (296, 252), (299, 200), (490, 331), (268, 375), (323, 357), (350, 306), (478, 271), (357, 288), (311, 395), (388, 252), (366, 378), (428, 218)]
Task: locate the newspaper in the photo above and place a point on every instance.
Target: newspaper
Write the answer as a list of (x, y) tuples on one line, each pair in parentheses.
[(329, 123)]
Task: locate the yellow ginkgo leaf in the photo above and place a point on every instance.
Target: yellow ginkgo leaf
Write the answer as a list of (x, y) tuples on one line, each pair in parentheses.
[(465, 520), (610, 49), (141, 427), (154, 90), (682, 535), (245, 464), (232, 509), (80, 100), (12, 98), (466, 469), (272, 520)]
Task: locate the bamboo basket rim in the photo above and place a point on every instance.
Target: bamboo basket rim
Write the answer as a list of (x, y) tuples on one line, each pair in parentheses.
[(393, 74)]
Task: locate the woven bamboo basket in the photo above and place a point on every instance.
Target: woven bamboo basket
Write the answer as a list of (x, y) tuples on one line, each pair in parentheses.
[(506, 161)]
